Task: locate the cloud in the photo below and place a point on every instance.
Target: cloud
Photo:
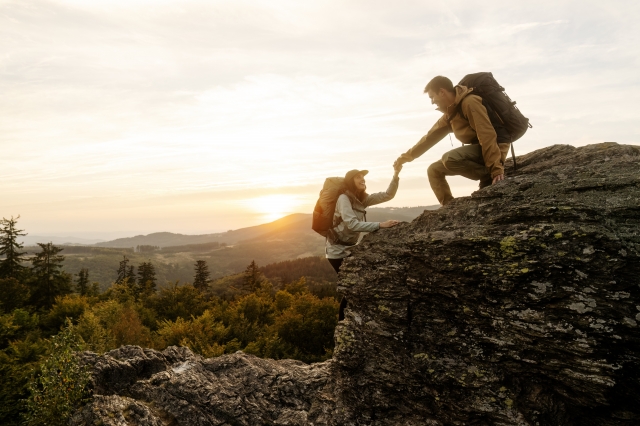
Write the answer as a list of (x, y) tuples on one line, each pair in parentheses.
[(109, 105)]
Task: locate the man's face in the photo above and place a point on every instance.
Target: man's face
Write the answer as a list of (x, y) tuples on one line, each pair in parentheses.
[(438, 99)]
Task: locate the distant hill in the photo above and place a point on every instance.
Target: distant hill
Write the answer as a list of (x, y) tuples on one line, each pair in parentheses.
[(286, 239), (289, 226), (32, 240)]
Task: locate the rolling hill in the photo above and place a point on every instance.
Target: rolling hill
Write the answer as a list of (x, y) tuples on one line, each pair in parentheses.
[(288, 238), (289, 226)]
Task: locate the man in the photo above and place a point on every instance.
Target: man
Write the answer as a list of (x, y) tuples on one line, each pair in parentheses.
[(485, 140)]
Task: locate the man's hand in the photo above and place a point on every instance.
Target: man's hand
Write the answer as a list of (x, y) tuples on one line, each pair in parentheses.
[(388, 223), (397, 167), (497, 179), (404, 158)]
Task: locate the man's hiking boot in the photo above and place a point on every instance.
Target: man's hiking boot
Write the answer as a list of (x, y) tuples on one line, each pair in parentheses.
[(485, 182)]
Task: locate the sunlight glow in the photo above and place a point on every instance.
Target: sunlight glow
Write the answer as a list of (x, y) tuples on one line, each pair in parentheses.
[(273, 207)]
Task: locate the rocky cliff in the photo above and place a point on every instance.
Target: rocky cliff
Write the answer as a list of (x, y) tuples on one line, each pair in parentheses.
[(518, 305)]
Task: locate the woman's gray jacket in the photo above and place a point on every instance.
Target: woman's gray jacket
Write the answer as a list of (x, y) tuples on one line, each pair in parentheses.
[(349, 219)]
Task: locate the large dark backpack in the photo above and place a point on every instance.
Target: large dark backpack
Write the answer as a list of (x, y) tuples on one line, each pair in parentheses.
[(494, 97), (325, 208)]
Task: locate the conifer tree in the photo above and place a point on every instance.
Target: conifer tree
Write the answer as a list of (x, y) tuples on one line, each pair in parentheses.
[(11, 265), (202, 278), (49, 280), (146, 278), (252, 277), (124, 270), (131, 276), (82, 284)]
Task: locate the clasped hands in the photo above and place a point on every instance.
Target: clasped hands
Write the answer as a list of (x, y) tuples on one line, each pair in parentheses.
[(397, 165)]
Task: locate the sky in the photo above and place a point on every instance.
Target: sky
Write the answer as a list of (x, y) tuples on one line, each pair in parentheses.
[(120, 118)]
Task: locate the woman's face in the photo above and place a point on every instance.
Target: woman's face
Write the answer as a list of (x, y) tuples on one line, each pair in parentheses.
[(359, 182)]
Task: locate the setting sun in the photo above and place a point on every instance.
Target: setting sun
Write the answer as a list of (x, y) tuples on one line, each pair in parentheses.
[(274, 206)]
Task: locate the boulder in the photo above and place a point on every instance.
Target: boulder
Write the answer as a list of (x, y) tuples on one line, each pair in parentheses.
[(518, 305)]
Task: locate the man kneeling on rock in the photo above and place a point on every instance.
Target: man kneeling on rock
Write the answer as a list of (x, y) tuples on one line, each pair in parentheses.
[(484, 146)]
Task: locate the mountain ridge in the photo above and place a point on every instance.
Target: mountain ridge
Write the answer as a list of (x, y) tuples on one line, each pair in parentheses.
[(295, 222)]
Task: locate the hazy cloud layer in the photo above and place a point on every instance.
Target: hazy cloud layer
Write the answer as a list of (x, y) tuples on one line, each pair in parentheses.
[(167, 115)]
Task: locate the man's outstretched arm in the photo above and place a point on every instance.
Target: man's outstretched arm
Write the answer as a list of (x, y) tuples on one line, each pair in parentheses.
[(435, 135)]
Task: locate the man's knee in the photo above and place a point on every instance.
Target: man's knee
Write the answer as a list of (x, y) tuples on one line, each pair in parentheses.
[(435, 169), (450, 160)]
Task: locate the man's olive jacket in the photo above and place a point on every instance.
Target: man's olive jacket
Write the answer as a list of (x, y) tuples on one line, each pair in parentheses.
[(472, 126)]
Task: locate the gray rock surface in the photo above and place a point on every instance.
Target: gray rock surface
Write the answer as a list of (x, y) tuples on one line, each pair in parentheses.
[(518, 305), (135, 386)]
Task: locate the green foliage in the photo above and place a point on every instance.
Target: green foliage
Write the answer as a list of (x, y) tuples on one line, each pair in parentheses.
[(66, 307), (129, 330), (124, 271), (146, 279), (20, 349), (82, 284), (49, 280), (14, 294), (252, 277), (315, 269), (94, 333), (255, 314), (202, 334), (146, 248), (203, 276), (11, 265), (178, 301), (59, 387), (307, 325)]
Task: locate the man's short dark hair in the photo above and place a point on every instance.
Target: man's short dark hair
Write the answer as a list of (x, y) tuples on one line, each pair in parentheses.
[(438, 83)]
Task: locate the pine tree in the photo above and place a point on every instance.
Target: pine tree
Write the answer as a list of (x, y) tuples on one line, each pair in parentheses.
[(146, 278), (95, 289), (82, 285), (49, 280), (252, 277), (202, 278), (131, 276), (124, 271), (11, 265)]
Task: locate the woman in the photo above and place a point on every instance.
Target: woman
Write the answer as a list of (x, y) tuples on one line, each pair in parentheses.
[(350, 220)]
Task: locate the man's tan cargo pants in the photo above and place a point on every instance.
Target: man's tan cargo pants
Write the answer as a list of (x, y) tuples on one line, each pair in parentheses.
[(465, 161)]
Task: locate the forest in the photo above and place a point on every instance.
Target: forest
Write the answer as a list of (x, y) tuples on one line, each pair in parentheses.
[(282, 310)]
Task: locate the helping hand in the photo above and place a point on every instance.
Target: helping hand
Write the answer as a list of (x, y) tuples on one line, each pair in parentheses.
[(404, 158)]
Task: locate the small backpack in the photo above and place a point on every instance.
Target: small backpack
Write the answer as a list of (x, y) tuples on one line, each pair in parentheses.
[(486, 86)]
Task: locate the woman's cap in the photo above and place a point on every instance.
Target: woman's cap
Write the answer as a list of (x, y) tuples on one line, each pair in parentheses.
[(352, 173)]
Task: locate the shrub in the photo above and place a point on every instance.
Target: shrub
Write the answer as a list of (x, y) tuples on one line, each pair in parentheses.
[(203, 335), (71, 306), (59, 388)]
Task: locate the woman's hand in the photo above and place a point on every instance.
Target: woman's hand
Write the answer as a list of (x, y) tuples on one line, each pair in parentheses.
[(397, 166), (389, 223)]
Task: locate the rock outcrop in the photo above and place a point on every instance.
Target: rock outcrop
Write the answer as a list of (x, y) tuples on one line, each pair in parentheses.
[(135, 386), (518, 305)]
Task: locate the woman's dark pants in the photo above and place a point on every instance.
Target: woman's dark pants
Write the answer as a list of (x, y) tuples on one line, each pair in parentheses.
[(336, 263)]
